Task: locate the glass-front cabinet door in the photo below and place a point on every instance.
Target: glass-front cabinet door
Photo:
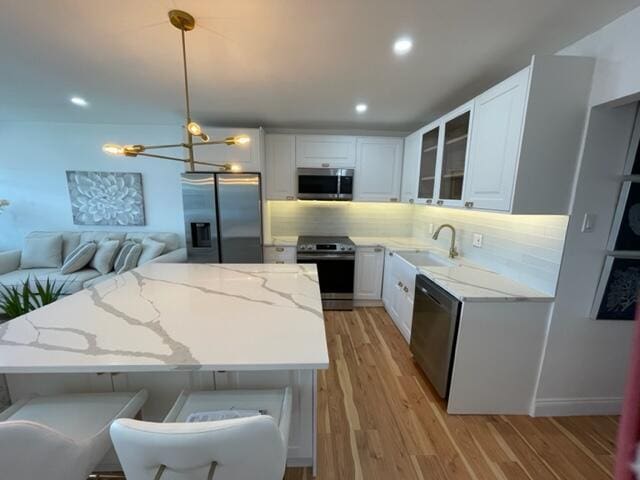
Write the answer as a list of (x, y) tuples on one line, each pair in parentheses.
[(454, 157), (428, 165)]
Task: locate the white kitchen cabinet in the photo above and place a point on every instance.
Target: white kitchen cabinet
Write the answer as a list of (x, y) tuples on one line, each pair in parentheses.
[(279, 254), (410, 166), (443, 158), (280, 168), (525, 138), (378, 169), (368, 273), (248, 157), (398, 292), (325, 151)]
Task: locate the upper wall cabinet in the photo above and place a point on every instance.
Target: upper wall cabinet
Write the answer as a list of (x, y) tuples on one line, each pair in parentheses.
[(409, 191), (280, 168), (378, 169), (525, 138), (443, 158), (248, 158), (325, 151)]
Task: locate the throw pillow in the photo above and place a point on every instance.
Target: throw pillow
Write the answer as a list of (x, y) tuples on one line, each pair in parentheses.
[(125, 248), (42, 252), (150, 250), (105, 254), (79, 257), (131, 259)]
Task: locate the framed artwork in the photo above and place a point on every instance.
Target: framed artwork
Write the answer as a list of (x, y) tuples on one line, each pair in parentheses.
[(618, 289), (625, 231), (106, 198)]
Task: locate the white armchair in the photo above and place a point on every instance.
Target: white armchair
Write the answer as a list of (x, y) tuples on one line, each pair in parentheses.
[(61, 437), (240, 449)]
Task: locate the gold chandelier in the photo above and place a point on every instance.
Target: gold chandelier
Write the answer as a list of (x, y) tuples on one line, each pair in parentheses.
[(185, 23)]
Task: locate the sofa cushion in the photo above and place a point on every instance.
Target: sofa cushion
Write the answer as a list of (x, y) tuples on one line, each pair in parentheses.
[(171, 240), (105, 255), (42, 252), (150, 250), (79, 258), (99, 236), (96, 280), (122, 254), (70, 240), (131, 259), (73, 282)]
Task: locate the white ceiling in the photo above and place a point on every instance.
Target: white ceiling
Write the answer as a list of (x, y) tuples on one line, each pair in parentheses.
[(278, 63)]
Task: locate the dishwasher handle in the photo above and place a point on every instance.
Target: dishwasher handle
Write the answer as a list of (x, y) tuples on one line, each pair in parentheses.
[(426, 292)]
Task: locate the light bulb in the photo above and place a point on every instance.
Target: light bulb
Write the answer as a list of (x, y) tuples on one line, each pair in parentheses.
[(236, 168), (241, 140), (204, 137), (194, 129), (113, 149)]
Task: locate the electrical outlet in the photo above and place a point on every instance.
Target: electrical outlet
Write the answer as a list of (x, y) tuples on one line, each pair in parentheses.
[(477, 240), (431, 228)]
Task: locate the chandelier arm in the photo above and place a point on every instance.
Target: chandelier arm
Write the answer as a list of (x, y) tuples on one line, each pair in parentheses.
[(211, 142), (184, 160), (152, 147)]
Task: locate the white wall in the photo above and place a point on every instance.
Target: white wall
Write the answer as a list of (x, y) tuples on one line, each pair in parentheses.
[(615, 46), (33, 160), (526, 248), (584, 364)]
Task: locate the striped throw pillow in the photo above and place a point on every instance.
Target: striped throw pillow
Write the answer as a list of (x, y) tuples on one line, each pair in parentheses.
[(122, 254), (79, 257), (130, 259)]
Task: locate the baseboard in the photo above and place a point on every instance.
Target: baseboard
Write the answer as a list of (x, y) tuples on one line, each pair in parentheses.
[(557, 407), (299, 462)]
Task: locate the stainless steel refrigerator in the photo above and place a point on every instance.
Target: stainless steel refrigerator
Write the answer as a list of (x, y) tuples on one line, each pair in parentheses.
[(223, 217)]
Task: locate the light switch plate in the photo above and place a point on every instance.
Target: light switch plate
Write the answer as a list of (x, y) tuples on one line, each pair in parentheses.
[(477, 240)]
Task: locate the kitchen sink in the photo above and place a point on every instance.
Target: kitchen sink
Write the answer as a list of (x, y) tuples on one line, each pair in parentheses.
[(425, 259)]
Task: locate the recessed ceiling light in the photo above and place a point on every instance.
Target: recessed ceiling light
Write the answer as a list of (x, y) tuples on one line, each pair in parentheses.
[(361, 107), (402, 46), (79, 101)]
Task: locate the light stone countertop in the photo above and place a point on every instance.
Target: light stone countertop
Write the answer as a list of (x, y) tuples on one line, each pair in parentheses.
[(165, 317)]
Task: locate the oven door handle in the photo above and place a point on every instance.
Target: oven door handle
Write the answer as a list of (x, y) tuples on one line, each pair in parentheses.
[(326, 257)]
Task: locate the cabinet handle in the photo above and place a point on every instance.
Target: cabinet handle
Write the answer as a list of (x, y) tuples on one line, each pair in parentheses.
[(440, 202), (411, 200), (406, 290), (393, 199), (326, 165), (279, 249), (377, 249), (400, 284), (429, 201), (468, 204), (391, 254), (290, 197)]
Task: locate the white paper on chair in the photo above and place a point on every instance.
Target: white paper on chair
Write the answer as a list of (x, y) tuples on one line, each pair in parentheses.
[(220, 415)]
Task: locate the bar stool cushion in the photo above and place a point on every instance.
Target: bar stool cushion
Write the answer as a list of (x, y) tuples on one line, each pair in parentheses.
[(61, 437), (244, 448)]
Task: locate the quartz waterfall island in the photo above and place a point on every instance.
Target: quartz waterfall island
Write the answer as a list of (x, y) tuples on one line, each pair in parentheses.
[(167, 327)]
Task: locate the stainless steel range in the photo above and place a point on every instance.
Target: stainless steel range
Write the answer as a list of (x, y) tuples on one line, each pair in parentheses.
[(335, 258)]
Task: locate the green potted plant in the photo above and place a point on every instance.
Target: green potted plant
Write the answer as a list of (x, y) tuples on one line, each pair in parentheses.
[(19, 300)]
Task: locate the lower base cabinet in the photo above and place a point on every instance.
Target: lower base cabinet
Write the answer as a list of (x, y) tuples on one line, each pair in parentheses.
[(368, 273), (398, 292)]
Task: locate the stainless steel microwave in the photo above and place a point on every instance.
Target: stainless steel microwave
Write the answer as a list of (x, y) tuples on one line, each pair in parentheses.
[(325, 183)]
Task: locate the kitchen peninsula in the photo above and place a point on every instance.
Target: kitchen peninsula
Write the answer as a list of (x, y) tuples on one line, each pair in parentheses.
[(168, 327)]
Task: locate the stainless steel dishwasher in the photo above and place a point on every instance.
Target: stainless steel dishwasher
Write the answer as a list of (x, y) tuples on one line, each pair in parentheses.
[(434, 331)]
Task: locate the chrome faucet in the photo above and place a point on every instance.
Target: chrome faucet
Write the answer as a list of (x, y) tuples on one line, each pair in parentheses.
[(453, 251)]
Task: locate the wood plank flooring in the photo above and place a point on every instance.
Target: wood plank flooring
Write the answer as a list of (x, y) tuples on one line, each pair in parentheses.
[(378, 418)]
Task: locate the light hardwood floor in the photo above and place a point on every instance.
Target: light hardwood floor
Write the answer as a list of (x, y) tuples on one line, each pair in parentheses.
[(380, 419)]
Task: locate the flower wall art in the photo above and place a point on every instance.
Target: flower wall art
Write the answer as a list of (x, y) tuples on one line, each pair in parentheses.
[(106, 198)]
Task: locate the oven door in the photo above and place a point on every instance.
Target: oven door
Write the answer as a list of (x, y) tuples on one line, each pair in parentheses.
[(324, 184), (335, 273)]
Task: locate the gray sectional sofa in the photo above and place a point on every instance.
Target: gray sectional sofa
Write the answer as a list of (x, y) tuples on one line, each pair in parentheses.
[(11, 274)]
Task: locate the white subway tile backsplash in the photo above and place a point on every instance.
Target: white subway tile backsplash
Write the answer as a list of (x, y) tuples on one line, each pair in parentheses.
[(527, 248)]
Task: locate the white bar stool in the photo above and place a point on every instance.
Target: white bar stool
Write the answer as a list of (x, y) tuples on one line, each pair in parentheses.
[(61, 437), (239, 449)]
